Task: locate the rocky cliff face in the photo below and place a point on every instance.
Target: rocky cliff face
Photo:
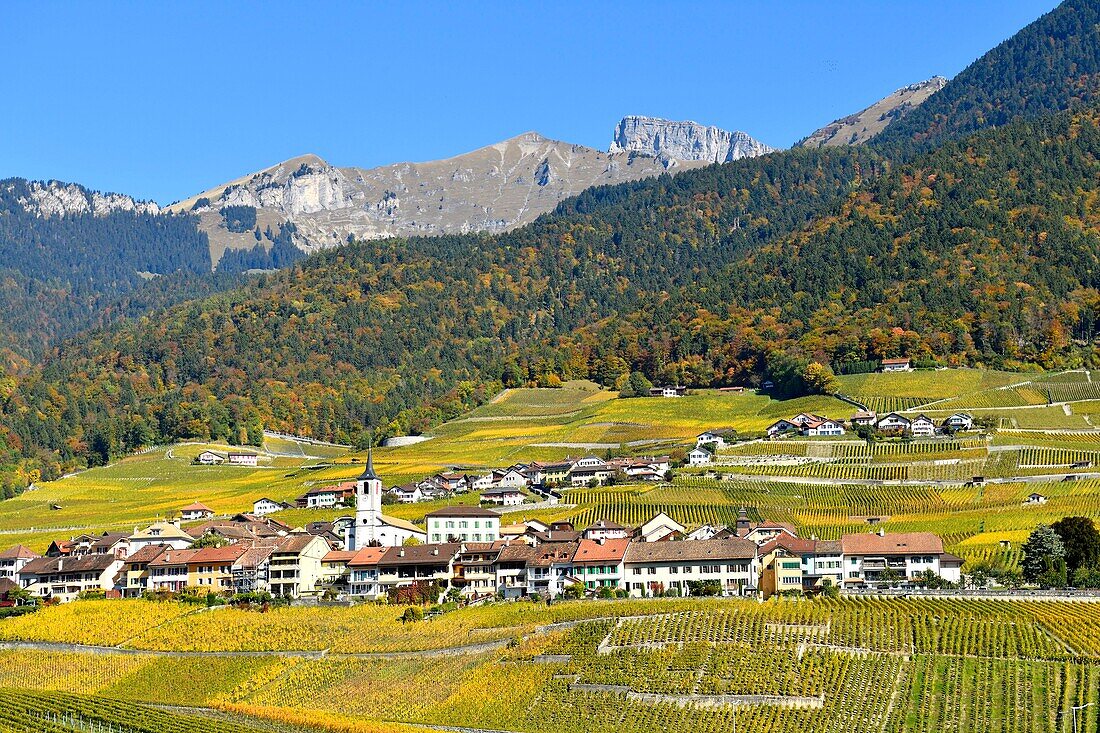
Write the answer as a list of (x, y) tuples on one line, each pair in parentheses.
[(492, 189), (673, 142), (52, 198), (865, 124)]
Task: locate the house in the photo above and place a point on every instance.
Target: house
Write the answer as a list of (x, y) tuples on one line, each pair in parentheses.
[(196, 512), (780, 571), (922, 427), (210, 458), (732, 390), (599, 563), (136, 573), (791, 563), (589, 470), (667, 391), (336, 570), (243, 458), (760, 532), (252, 571), (822, 427), (897, 365), (652, 568), (867, 557), (295, 568), (602, 529), (462, 524), (504, 497), (167, 534), (64, 578), (326, 497), (474, 570), (705, 532), (959, 421), (116, 544), (264, 506), (782, 427), (864, 417), (168, 570), (211, 568), (700, 455), (894, 423), (511, 568), (659, 528), (14, 559), (549, 474), (481, 482), (432, 563), (1035, 499), (456, 482), (550, 568), (642, 468), (512, 477), (409, 493), (363, 573), (719, 438)]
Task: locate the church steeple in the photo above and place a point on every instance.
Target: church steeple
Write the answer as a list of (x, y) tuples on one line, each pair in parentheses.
[(368, 472)]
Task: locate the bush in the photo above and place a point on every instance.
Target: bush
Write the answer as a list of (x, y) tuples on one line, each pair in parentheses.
[(412, 614)]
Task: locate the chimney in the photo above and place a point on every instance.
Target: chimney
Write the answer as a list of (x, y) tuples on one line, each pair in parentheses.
[(60, 564), (881, 532), (435, 550), (401, 552)]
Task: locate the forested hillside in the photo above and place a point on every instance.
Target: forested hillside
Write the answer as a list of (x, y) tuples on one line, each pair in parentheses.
[(1051, 65)]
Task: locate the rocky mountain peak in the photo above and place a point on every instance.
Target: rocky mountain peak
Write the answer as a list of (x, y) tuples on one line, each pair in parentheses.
[(54, 198), (863, 125), (672, 141)]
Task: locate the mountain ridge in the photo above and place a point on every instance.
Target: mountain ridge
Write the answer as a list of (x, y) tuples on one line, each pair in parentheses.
[(870, 121)]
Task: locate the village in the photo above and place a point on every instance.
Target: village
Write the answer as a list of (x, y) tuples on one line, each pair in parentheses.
[(469, 553)]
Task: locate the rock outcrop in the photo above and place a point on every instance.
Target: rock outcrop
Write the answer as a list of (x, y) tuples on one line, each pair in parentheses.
[(53, 198), (865, 124), (491, 189), (677, 142)]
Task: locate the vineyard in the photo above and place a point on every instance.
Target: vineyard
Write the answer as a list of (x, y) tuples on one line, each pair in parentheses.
[(801, 665)]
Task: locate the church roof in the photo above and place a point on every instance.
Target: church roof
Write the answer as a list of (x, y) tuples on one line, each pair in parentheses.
[(368, 472)]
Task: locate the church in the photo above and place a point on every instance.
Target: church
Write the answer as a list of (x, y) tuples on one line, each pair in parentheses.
[(372, 527)]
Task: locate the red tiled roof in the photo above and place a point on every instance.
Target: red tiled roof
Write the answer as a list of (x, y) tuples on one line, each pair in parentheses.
[(198, 506), (902, 543), (367, 557), (18, 552), (229, 553), (595, 551)]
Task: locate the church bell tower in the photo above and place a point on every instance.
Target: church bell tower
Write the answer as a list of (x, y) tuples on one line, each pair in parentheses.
[(368, 504)]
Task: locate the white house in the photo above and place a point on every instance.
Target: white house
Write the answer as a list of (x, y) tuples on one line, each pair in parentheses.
[(482, 482), (960, 421), (1035, 499), (896, 365), (864, 417), (783, 426), (922, 427), (160, 533), (264, 506), (13, 559), (407, 493), (243, 458), (462, 524), (718, 438), (64, 578), (867, 556), (196, 512), (826, 427), (652, 568), (504, 496), (700, 455), (659, 528), (210, 458), (894, 422), (667, 391)]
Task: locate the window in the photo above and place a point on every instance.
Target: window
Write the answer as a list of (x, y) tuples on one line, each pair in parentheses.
[(477, 524), (855, 561), (463, 524), (636, 571), (673, 570), (687, 569), (853, 574), (651, 570), (450, 525)]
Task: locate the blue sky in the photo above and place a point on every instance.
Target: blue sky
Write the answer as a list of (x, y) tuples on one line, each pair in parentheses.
[(161, 100)]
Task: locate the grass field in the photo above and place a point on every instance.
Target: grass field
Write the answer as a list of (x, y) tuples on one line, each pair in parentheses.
[(708, 665)]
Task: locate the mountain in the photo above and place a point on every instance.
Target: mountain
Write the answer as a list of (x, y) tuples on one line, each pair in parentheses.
[(870, 121), (492, 189), (674, 143), (1051, 65)]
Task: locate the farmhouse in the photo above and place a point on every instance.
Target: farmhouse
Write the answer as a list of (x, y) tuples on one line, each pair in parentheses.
[(504, 497), (196, 512), (667, 391), (864, 417), (463, 524), (822, 427), (409, 493), (210, 458), (264, 506), (894, 423), (922, 427), (243, 458), (897, 365), (959, 421), (326, 497), (602, 529), (700, 455), (1035, 499), (660, 528), (781, 427), (654, 567), (719, 437)]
